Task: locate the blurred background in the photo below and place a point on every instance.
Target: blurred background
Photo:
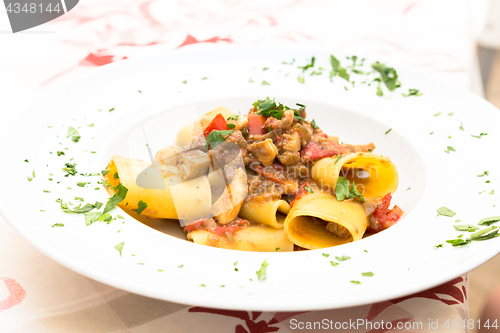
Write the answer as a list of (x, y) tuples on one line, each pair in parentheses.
[(457, 41)]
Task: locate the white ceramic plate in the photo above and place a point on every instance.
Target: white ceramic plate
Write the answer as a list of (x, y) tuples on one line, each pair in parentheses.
[(402, 258)]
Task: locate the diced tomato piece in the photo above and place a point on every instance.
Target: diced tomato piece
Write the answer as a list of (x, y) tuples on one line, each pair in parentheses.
[(260, 170), (255, 124), (217, 124), (383, 218), (316, 150)]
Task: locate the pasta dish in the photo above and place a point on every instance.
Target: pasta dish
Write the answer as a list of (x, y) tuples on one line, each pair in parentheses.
[(266, 181)]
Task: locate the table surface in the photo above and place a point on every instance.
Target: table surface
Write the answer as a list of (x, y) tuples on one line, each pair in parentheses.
[(39, 295)]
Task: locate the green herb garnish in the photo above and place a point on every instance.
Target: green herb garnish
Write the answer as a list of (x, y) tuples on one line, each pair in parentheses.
[(412, 92), (141, 206), (489, 220), (119, 247), (261, 273), (118, 197), (444, 211), (216, 137)]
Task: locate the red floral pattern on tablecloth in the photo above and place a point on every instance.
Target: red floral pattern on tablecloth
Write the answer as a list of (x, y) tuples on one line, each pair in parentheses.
[(16, 294)]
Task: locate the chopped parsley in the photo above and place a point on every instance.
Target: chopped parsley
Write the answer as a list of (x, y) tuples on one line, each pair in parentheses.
[(141, 206), (31, 178), (333, 263), (486, 233), (26, 160), (326, 255), (72, 132), (118, 197), (231, 126), (387, 132), (104, 172), (57, 225), (448, 149), (480, 135), (70, 169), (338, 158), (119, 247), (437, 114), (91, 217), (301, 79), (413, 92), (489, 220), (438, 246), (115, 176), (355, 282), (233, 117), (444, 211), (112, 109), (468, 227), (250, 80), (367, 274), (82, 184), (486, 173), (337, 69), (265, 83), (461, 126), (216, 137), (308, 189), (388, 76), (313, 124), (343, 258), (309, 65), (59, 153), (344, 190), (261, 273)]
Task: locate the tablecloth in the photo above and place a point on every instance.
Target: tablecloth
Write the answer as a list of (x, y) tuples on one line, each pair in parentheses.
[(39, 295)]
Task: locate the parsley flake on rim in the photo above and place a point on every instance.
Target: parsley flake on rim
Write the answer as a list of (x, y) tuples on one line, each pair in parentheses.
[(70, 169), (261, 273), (412, 92), (344, 257), (388, 76), (480, 135), (306, 67), (444, 211), (355, 282), (119, 247), (489, 220), (58, 225), (265, 83), (333, 263), (367, 274)]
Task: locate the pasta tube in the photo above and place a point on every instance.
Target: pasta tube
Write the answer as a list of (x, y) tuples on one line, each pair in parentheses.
[(161, 188), (312, 216), (374, 175), (271, 213), (256, 237)]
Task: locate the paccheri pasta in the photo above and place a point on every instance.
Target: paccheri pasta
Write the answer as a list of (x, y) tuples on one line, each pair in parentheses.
[(266, 181)]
